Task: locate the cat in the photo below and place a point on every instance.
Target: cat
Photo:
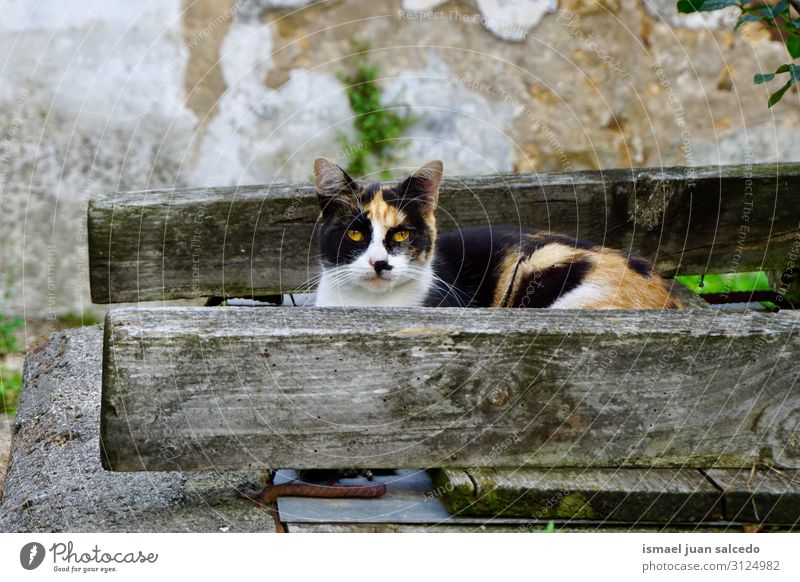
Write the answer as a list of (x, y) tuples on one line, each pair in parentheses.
[(379, 247)]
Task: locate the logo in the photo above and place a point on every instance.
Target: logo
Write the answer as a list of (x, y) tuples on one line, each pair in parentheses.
[(31, 555)]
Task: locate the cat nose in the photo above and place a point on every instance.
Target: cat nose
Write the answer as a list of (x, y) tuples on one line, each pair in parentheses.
[(381, 266)]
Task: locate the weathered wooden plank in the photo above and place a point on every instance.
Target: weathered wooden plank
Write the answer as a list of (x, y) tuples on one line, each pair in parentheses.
[(413, 500), (492, 526), (790, 315), (397, 528), (339, 528), (260, 240), (624, 495), (194, 388), (689, 299), (763, 496)]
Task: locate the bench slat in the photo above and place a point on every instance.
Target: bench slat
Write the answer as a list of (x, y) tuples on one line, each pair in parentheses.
[(622, 495), (498, 526), (186, 243), (764, 496), (195, 388)]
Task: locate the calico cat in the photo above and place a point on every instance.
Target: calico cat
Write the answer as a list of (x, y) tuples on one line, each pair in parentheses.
[(379, 247)]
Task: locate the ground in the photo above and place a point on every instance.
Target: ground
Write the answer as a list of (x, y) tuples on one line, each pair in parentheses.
[(56, 481)]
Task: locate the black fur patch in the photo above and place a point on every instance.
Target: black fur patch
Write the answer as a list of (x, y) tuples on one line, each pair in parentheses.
[(641, 266), (542, 289), (334, 245), (467, 261), (368, 192)]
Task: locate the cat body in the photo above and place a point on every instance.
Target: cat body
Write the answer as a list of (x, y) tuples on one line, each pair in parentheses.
[(513, 267), (379, 247)]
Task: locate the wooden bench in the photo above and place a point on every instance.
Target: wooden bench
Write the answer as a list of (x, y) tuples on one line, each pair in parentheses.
[(595, 417)]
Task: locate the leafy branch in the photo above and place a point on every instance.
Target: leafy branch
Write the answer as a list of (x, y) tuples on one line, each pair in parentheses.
[(777, 16)]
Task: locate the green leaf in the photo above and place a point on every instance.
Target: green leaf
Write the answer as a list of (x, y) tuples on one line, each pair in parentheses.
[(770, 13), (710, 5), (761, 79), (781, 7), (688, 6), (794, 78), (778, 95), (793, 46)]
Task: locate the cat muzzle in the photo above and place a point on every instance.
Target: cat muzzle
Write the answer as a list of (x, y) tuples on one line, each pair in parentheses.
[(381, 266)]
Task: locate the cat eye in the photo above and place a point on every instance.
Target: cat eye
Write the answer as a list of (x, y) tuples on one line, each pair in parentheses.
[(400, 235), (355, 235)]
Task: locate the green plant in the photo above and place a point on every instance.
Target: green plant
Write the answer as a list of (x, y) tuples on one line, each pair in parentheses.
[(777, 16), (8, 340), (377, 125), (78, 319), (10, 385), (727, 283)]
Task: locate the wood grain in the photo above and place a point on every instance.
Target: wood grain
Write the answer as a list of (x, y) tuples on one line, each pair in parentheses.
[(194, 388), (260, 240), (763, 496), (689, 299), (623, 495)]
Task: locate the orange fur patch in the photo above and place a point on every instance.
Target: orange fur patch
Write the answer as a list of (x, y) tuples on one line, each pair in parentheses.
[(550, 255), (624, 288), (616, 285), (505, 279), (378, 210)]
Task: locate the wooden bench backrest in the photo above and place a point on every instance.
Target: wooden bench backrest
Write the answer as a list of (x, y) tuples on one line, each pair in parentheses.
[(170, 244)]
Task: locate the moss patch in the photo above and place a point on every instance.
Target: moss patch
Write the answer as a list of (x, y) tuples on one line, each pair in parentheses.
[(492, 500), (575, 506)]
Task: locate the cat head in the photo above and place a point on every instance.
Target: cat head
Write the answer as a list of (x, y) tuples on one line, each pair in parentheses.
[(375, 238)]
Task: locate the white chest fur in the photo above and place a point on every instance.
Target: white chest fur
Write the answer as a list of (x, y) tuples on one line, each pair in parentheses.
[(412, 293)]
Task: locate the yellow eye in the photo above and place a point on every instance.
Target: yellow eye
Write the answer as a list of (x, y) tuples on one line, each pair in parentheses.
[(355, 235), (400, 236)]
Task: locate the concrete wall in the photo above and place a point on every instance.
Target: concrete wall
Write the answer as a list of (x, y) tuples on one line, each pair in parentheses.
[(119, 95)]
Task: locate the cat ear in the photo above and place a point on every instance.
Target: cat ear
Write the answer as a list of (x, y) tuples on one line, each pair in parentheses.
[(423, 185), (332, 182)]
